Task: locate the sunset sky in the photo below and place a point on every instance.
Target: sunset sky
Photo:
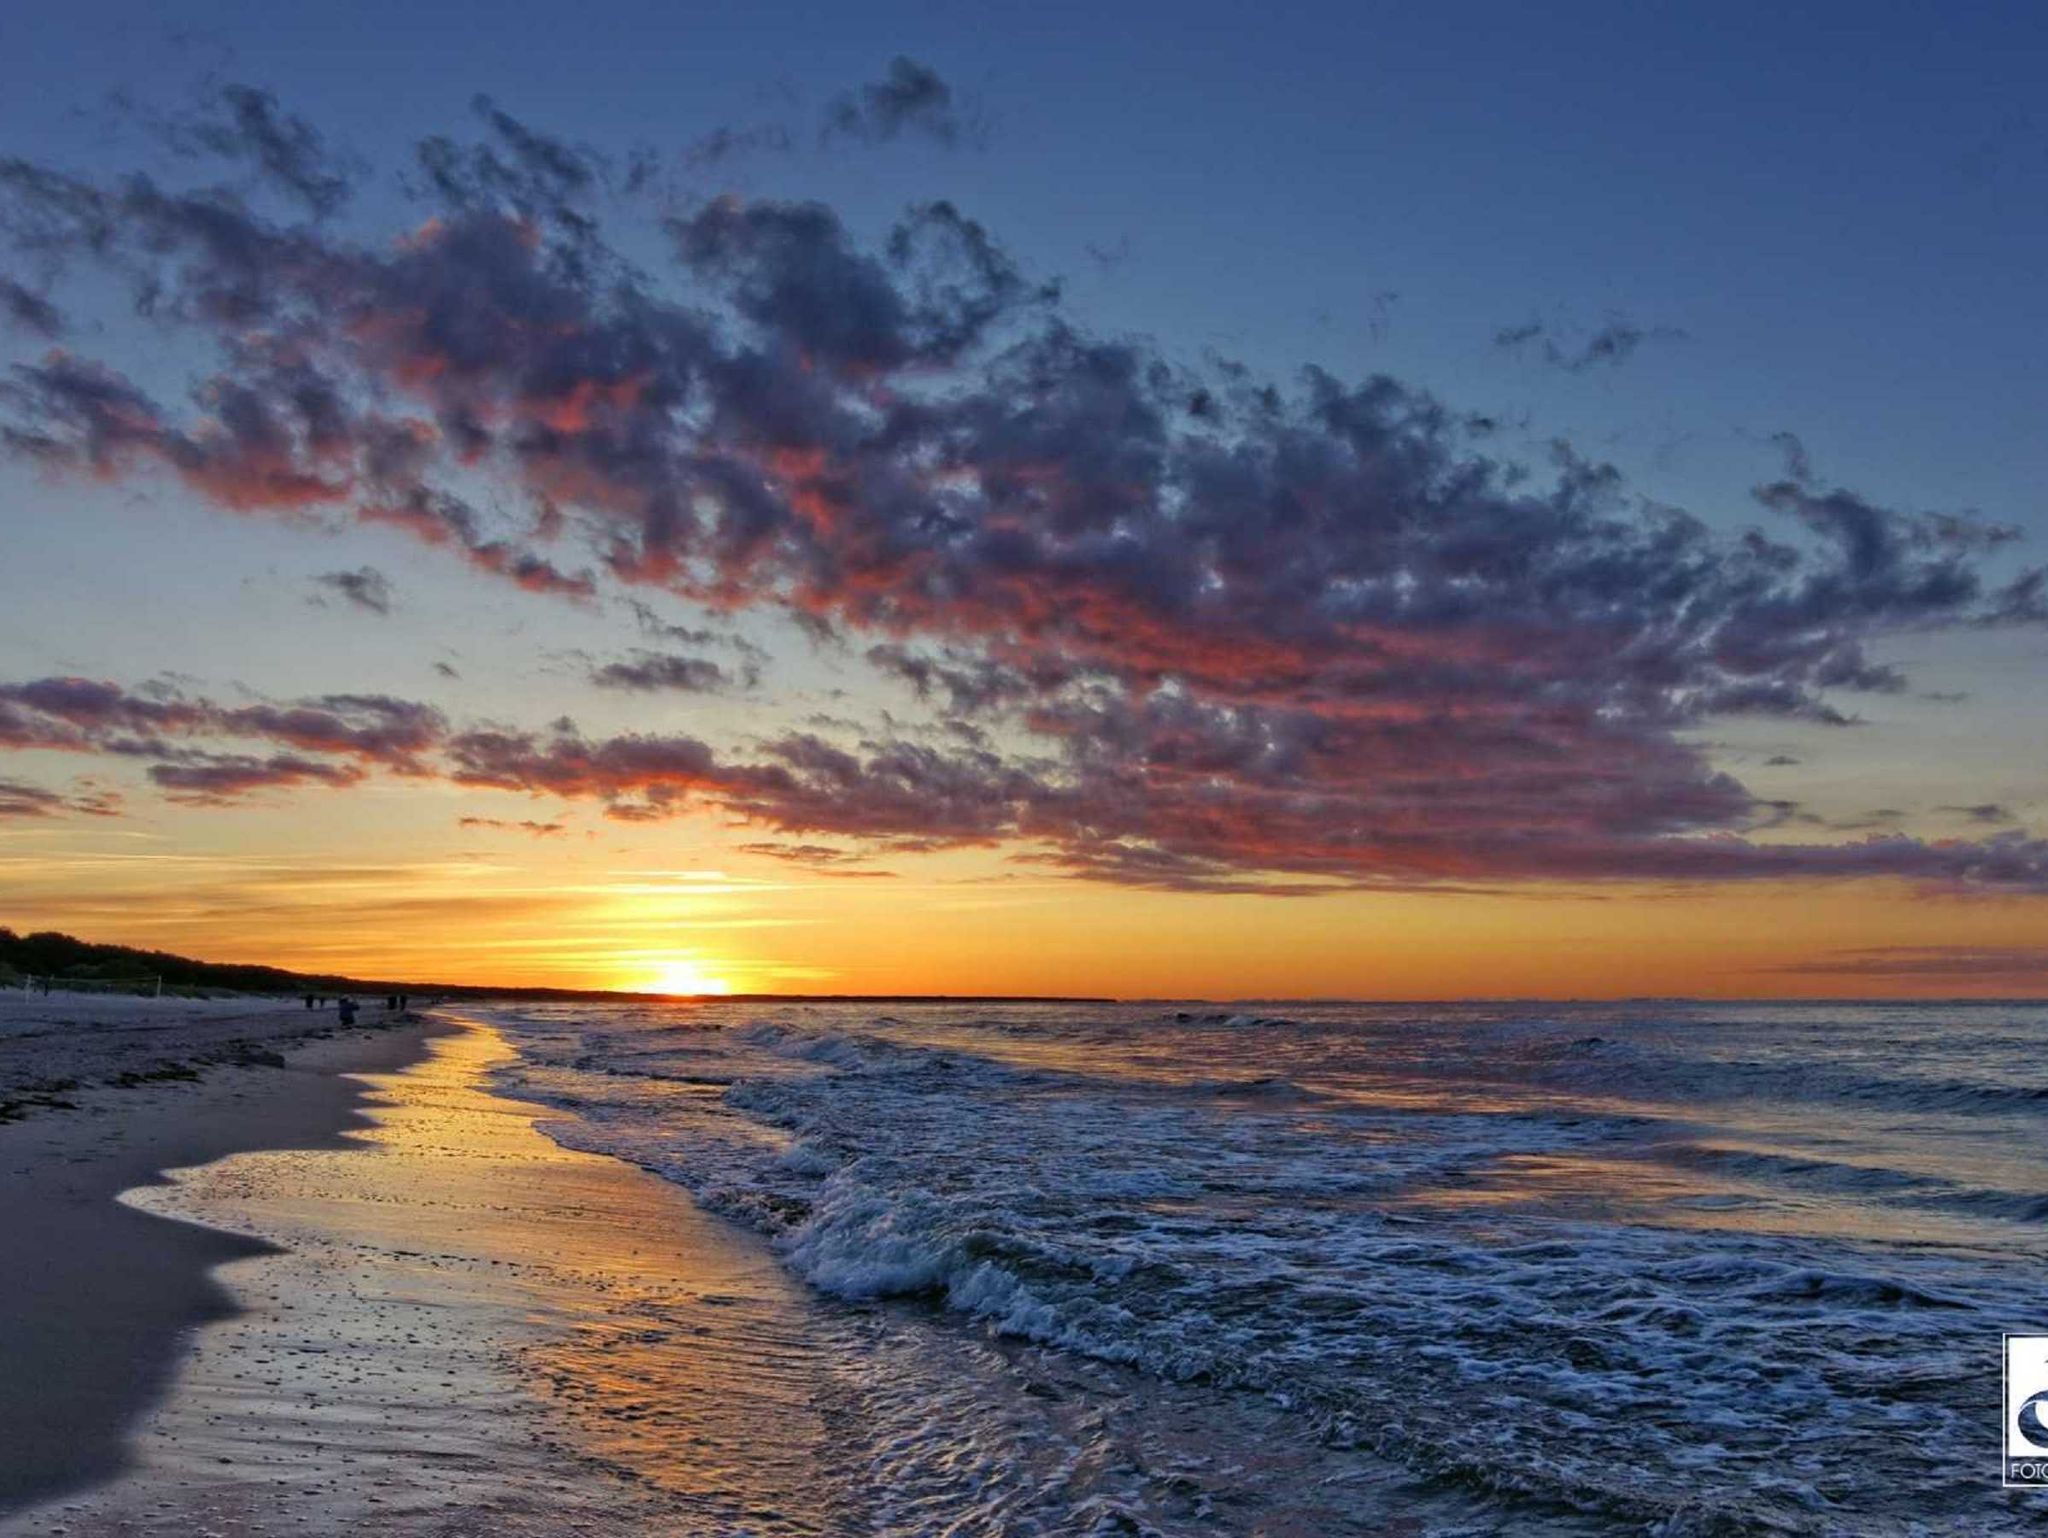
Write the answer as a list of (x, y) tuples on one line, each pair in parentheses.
[(1431, 502)]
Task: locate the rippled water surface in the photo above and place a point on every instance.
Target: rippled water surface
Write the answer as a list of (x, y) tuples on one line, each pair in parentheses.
[(1309, 1269)]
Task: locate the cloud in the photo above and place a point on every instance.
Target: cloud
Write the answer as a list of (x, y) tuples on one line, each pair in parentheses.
[(207, 779), (375, 728), (438, 518), (648, 672), (242, 123), (1983, 811), (182, 732), (1110, 257), (1608, 346), (793, 271), (20, 799), (517, 168), (651, 623), (2025, 966), (85, 715), (724, 144), (1196, 628), (27, 310), (641, 777), (365, 587), (823, 859), (524, 825), (910, 98)]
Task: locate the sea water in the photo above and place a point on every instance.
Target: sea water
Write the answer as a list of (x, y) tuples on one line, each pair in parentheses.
[(1649, 1267)]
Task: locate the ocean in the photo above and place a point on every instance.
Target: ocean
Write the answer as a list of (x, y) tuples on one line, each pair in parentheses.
[(1678, 1268)]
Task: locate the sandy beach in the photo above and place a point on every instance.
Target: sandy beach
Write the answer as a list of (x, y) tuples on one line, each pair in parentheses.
[(413, 1313)]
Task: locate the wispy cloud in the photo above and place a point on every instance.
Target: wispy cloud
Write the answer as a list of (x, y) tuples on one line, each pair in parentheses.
[(365, 587), (522, 825), (19, 799), (1991, 965), (1575, 352), (910, 98)]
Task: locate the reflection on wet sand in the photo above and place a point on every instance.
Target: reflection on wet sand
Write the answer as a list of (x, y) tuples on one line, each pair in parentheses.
[(383, 1374)]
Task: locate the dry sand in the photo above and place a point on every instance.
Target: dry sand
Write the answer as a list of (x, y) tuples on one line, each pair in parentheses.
[(442, 1323), (53, 1046)]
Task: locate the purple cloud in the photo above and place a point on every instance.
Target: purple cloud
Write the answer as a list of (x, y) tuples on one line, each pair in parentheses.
[(20, 799), (1231, 633), (207, 779), (648, 672)]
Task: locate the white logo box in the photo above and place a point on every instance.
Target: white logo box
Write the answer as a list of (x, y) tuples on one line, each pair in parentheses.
[(2026, 1412)]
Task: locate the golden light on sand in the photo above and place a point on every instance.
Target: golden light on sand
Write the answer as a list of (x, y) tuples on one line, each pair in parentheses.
[(684, 976)]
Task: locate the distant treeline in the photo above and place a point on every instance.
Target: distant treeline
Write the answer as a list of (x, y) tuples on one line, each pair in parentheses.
[(50, 954)]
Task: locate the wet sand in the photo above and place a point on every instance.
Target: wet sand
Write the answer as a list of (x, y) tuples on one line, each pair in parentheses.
[(444, 1324), (96, 1296)]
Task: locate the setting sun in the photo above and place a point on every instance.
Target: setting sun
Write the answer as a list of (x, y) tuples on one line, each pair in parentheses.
[(685, 977)]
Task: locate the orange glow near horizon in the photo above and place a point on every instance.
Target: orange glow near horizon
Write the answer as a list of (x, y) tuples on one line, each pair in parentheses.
[(688, 910)]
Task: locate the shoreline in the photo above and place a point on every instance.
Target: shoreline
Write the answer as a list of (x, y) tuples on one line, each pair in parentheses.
[(100, 1297), (426, 1316), (418, 1314)]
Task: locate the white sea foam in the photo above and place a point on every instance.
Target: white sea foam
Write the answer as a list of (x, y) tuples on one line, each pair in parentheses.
[(1671, 1270)]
